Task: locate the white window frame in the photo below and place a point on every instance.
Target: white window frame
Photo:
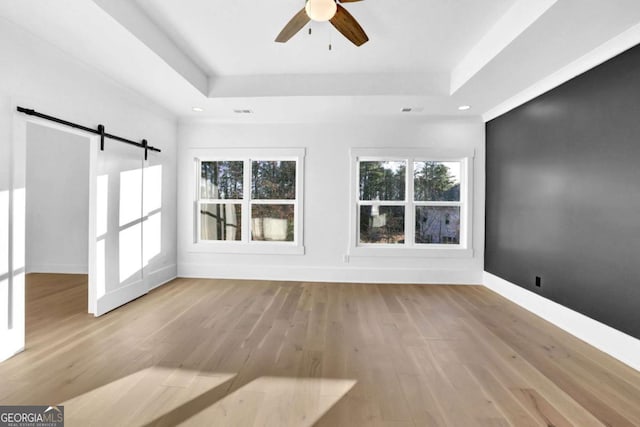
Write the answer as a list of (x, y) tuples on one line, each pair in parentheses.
[(411, 249), (245, 244)]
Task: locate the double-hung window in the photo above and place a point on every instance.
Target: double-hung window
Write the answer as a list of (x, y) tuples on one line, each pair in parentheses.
[(249, 200), (412, 200)]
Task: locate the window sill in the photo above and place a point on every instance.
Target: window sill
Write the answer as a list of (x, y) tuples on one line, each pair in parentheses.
[(399, 252), (255, 248)]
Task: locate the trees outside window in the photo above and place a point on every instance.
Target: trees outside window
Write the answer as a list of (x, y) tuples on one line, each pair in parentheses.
[(221, 190), (437, 196), (410, 202), (249, 200), (273, 193)]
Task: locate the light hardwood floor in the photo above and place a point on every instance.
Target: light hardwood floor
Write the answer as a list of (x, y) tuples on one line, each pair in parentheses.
[(235, 353)]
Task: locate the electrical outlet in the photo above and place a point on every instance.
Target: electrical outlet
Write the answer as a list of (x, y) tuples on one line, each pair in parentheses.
[(538, 282)]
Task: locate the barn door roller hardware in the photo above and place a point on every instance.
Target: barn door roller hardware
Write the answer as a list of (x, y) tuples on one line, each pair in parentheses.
[(99, 131)]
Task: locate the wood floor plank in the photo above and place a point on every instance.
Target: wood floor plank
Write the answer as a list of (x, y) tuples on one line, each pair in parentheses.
[(506, 403), (534, 343), (241, 352)]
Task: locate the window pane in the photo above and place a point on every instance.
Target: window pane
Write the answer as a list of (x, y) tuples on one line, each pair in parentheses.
[(220, 221), (221, 180), (381, 224), (436, 181), (272, 222), (438, 224), (273, 180), (382, 180)]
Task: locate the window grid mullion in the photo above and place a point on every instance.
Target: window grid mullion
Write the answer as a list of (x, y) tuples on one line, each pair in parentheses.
[(295, 204), (222, 201), (273, 201), (246, 202), (382, 203), (357, 194), (409, 210), (197, 185), (464, 218), (198, 218), (437, 203)]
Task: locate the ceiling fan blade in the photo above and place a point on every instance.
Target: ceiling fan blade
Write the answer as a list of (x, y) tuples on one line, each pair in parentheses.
[(349, 27), (297, 22)]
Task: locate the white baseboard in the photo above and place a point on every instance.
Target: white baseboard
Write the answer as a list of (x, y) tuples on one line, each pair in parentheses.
[(58, 268), (114, 299), (349, 274), (161, 276), (617, 344)]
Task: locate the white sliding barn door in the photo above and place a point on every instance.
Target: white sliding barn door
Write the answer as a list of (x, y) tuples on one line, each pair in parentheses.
[(119, 221)]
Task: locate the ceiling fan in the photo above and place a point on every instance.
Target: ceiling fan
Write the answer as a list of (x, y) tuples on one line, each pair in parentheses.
[(325, 10)]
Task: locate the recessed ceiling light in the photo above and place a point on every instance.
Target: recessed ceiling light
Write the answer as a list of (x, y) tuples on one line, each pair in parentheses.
[(464, 107), (197, 109)]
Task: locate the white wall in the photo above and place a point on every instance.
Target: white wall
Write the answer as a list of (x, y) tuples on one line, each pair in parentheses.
[(37, 75), (326, 199), (57, 201), (11, 338)]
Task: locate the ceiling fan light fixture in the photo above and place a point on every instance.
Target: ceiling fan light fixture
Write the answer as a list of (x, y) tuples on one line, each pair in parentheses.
[(321, 10), (325, 10)]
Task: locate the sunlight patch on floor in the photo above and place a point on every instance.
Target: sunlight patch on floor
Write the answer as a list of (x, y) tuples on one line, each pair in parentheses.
[(142, 397), (275, 401), (172, 396)]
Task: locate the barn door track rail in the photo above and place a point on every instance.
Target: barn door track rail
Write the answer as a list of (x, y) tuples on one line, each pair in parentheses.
[(99, 131)]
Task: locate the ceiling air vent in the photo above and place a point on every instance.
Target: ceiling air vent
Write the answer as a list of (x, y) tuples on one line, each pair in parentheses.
[(242, 111), (412, 109)]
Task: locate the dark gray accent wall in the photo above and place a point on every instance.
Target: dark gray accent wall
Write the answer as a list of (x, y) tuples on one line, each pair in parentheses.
[(563, 194)]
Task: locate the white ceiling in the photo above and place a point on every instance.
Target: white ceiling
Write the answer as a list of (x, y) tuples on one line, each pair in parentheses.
[(430, 54), (405, 35)]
